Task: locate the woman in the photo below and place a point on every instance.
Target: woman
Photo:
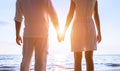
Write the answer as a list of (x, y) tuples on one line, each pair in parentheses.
[(83, 35)]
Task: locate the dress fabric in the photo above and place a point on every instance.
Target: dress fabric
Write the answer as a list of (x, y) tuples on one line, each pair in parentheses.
[(83, 34)]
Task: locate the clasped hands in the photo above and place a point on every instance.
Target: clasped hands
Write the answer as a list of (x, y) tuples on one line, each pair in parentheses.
[(60, 35)]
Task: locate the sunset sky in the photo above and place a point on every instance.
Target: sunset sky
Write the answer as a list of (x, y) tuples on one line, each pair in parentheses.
[(109, 13)]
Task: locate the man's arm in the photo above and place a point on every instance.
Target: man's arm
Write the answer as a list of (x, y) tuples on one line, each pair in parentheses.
[(18, 37), (18, 19), (97, 21), (54, 19), (53, 15)]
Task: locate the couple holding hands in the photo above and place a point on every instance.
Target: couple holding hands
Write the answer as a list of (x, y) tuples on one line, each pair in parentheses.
[(85, 33)]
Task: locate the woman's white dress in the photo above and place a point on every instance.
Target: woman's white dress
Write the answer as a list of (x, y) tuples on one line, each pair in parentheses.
[(83, 34)]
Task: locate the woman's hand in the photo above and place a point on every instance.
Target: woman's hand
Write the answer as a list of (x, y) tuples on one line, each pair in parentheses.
[(99, 38)]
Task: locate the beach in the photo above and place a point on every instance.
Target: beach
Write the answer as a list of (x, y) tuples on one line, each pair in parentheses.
[(65, 63)]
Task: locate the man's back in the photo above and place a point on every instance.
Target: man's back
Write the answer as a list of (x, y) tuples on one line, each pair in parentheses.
[(35, 13)]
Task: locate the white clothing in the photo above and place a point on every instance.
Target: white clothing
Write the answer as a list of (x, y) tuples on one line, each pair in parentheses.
[(40, 47), (36, 16), (83, 35)]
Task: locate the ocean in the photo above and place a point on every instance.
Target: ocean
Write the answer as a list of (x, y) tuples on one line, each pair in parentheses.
[(103, 62)]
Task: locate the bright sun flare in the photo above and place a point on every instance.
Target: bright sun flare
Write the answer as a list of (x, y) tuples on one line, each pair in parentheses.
[(56, 47)]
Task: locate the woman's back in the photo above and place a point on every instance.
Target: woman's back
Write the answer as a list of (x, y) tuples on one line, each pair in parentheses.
[(84, 8)]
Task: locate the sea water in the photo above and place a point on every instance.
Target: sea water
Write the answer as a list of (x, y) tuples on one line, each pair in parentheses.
[(61, 62)]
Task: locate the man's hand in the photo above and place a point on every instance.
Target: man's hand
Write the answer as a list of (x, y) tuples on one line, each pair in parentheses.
[(18, 40)]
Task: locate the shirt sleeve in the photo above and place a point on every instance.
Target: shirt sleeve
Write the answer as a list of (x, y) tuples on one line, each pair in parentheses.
[(18, 14)]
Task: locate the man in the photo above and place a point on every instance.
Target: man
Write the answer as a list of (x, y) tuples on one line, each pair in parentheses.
[(36, 15)]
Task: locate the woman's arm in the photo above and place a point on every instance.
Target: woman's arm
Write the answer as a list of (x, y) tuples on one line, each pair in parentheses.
[(70, 15), (97, 22)]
